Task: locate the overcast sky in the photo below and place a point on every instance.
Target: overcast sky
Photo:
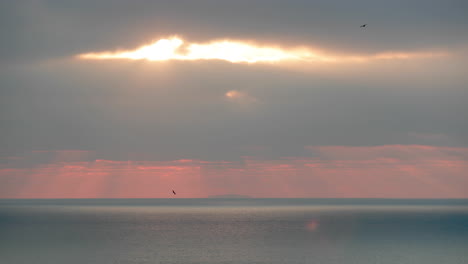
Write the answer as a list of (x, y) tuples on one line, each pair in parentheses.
[(379, 111)]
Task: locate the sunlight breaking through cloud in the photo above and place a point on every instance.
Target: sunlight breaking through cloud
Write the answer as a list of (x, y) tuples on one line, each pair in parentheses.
[(239, 52), (176, 49)]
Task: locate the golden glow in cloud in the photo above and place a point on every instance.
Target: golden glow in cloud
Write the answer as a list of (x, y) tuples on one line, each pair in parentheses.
[(239, 97), (176, 49), (163, 49), (239, 52)]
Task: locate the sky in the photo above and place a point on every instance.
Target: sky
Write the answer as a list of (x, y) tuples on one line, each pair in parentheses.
[(132, 99)]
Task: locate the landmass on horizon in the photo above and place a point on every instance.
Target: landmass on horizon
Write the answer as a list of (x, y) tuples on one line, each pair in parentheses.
[(236, 196)]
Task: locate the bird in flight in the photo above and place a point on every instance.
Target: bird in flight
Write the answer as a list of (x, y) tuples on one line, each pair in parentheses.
[(173, 192), (363, 26)]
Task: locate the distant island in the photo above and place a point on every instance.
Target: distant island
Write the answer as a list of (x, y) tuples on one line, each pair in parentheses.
[(229, 196)]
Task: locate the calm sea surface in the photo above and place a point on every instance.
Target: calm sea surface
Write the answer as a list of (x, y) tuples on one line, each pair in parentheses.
[(323, 231)]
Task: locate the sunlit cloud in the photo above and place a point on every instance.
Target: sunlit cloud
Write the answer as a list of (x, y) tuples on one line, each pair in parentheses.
[(176, 49), (163, 49), (233, 94), (240, 97), (236, 51), (241, 52)]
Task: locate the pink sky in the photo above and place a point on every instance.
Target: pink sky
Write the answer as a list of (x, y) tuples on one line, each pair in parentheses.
[(388, 171)]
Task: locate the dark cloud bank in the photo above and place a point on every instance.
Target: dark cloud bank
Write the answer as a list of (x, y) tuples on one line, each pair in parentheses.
[(176, 110)]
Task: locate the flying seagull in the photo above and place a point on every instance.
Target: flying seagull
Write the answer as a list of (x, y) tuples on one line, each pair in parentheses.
[(363, 26), (173, 192)]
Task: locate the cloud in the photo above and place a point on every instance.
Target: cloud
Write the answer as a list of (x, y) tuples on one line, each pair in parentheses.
[(401, 81), (64, 28), (236, 51), (401, 152), (392, 171), (240, 97), (176, 109)]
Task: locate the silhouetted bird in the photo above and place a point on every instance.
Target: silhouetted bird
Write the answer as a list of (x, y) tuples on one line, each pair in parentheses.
[(173, 192), (363, 26)]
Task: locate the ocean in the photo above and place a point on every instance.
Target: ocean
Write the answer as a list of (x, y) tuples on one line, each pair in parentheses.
[(241, 231)]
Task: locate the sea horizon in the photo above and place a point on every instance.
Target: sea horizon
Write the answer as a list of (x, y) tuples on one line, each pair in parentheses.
[(243, 201), (233, 230)]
